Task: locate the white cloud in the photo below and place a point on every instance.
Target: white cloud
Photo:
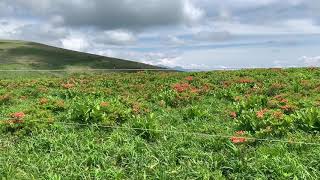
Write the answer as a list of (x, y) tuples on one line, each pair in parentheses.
[(116, 37), (7, 28), (311, 61), (75, 43), (301, 25), (192, 13), (173, 40)]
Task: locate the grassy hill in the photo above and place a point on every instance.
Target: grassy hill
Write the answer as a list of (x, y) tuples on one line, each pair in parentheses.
[(30, 55)]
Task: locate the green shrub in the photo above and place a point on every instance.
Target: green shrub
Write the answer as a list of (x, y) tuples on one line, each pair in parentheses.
[(92, 110), (307, 119), (195, 113), (264, 122), (250, 103)]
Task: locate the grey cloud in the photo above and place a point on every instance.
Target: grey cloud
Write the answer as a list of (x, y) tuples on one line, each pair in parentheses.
[(40, 33), (115, 37), (114, 14), (174, 40), (261, 12), (213, 36), (4, 23)]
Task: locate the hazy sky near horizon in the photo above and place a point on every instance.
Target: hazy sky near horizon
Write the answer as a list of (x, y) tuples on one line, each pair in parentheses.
[(192, 34)]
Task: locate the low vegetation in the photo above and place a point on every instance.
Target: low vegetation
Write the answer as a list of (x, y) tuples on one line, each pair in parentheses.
[(59, 126)]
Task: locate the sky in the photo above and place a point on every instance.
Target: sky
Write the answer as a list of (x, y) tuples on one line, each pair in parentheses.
[(190, 34)]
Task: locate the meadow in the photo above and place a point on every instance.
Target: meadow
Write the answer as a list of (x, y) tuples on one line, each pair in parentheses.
[(161, 125)]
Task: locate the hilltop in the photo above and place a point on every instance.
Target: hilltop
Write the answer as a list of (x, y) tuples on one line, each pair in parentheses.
[(31, 55)]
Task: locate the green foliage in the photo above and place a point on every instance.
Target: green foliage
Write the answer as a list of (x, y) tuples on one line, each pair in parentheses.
[(195, 113), (91, 110), (268, 125), (307, 119), (251, 103), (147, 110)]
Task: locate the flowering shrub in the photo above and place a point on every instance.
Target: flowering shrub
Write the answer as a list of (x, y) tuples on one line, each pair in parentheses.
[(263, 122), (18, 115), (181, 87), (239, 137), (189, 78)]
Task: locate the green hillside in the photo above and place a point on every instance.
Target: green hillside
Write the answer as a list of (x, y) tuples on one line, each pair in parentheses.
[(30, 55)]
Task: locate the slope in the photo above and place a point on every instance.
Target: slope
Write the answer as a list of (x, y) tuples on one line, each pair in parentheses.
[(30, 55)]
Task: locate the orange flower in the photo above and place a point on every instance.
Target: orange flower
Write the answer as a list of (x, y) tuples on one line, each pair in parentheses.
[(284, 101), (18, 115), (260, 114), (181, 87), (237, 140), (104, 104), (194, 90), (278, 97), (287, 108), (189, 78), (233, 115), (278, 114), (240, 132)]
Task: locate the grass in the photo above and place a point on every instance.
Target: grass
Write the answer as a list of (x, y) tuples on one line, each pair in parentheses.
[(29, 55), (262, 103)]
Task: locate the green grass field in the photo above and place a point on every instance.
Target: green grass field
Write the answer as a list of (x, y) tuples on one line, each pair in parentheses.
[(29, 55), (263, 103)]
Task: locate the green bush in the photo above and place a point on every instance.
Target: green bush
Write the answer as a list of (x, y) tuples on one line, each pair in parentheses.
[(92, 110), (266, 124), (307, 119)]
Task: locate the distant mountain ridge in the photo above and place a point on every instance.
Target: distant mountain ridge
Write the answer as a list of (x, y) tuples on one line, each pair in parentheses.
[(31, 55)]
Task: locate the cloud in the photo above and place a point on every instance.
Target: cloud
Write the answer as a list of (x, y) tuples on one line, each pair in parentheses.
[(75, 43), (40, 32), (174, 40), (152, 30), (114, 14), (116, 37), (311, 61), (213, 36), (192, 13), (302, 25)]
